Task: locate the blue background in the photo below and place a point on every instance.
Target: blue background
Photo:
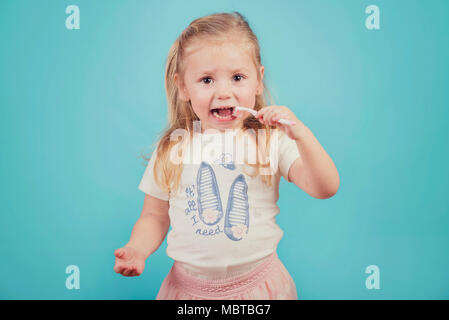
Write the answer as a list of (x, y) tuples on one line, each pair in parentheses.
[(79, 108)]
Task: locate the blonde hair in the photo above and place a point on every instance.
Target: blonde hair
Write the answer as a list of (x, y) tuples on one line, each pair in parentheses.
[(180, 113)]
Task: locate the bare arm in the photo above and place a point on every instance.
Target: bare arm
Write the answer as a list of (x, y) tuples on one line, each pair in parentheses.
[(314, 172), (150, 230)]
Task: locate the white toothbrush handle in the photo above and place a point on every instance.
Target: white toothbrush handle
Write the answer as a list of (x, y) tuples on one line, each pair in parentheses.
[(253, 112), (287, 122)]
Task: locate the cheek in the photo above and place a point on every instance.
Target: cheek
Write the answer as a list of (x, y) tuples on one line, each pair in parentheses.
[(200, 100), (248, 99), (248, 94), (199, 97)]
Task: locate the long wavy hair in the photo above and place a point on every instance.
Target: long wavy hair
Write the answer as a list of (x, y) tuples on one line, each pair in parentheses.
[(180, 113)]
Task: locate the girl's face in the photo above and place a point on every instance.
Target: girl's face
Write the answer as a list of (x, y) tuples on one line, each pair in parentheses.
[(219, 76)]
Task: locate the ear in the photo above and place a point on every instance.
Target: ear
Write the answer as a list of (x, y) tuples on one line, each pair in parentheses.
[(182, 91), (260, 86)]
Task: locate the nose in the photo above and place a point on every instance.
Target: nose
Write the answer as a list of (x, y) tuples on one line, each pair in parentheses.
[(223, 90)]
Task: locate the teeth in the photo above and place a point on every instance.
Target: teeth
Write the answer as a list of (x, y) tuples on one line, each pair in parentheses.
[(215, 114)]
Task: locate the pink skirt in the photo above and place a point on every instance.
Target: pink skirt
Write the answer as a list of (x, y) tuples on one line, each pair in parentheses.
[(269, 280)]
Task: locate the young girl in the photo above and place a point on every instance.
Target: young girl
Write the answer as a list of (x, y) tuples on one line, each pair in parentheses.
[(219, 195)]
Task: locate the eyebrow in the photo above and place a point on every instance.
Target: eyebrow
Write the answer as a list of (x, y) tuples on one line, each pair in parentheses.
[(212, 71)]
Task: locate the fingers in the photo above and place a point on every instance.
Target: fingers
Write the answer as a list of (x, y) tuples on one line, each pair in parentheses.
[(127, 271), (261, 114), (267, 117), (270, 116), (117, 269), (126, 264), (277, 117), (120, 268), (119, 253), (132, 272)]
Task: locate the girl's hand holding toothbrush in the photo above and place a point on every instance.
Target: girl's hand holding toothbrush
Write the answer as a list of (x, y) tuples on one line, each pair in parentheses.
[(283, 118)]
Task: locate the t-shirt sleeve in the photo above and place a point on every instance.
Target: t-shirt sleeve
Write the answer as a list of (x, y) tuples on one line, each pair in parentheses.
[(288, 153), (148, 184)]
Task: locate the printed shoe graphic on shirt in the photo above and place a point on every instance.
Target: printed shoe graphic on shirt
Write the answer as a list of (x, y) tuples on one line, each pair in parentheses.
[(209, 203), (237, 213)]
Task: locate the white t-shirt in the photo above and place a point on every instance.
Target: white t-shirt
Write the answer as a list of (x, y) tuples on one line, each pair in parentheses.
[(221, 217)]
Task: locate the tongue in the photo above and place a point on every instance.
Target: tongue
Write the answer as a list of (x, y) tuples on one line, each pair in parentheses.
[(224, 112)]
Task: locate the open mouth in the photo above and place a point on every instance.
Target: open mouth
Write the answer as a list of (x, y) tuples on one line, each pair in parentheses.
[(225, 113)]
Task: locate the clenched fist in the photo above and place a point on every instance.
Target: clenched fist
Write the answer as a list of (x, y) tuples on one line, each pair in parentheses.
[(129, 262)]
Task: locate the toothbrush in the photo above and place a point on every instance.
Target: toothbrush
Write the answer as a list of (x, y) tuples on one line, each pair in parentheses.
[(254, 112)]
